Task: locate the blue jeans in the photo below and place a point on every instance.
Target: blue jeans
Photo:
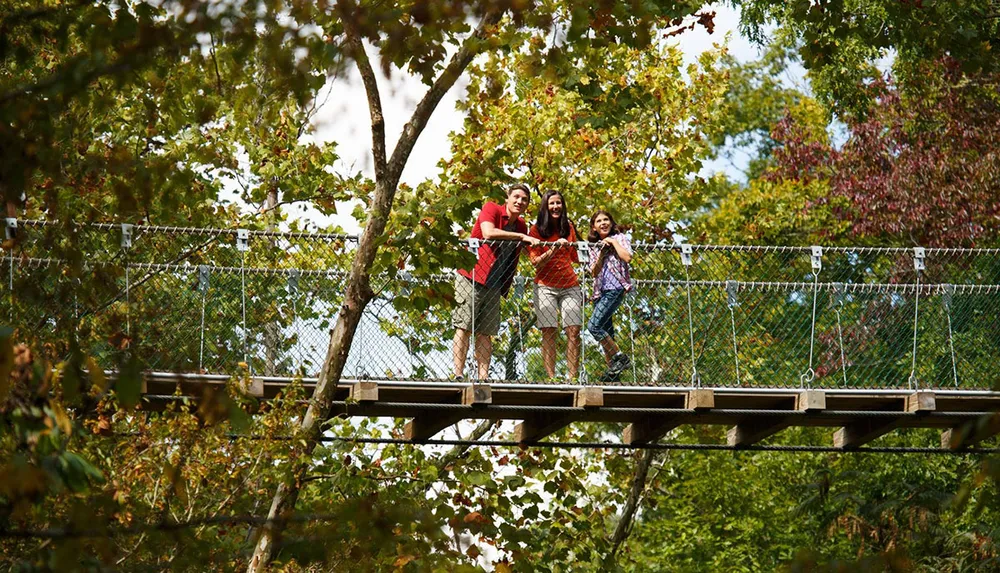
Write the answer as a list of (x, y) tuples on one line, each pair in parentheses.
[(600, 325)]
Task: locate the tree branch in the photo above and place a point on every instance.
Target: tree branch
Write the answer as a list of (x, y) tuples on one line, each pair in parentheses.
[(624, 526), (471, 47), (357, 51)]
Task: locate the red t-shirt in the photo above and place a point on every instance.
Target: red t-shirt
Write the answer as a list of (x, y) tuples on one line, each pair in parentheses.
[(486, 271), (557, 272)]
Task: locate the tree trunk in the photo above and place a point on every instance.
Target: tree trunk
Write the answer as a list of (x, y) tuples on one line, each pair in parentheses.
[(359, 292)]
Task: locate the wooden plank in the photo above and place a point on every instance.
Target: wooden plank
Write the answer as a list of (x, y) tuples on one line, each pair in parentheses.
[(364, 391), (810, 401), (700, 399), (921, 402), (589, 398), (477, 394), (866, 430)]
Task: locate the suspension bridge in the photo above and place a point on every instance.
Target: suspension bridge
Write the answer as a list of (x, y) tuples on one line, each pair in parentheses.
[(863, 340)]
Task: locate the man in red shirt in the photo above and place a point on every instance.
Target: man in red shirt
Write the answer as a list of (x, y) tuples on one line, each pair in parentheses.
[(478, 291)]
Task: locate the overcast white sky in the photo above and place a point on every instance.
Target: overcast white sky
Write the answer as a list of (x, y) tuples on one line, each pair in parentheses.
[(344, 118)]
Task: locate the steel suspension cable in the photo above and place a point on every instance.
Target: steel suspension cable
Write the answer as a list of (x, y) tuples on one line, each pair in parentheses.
[(817, 265), (918, 265), (951, 339), (617, 445), (840, 334), (732, 303), (686, 260)]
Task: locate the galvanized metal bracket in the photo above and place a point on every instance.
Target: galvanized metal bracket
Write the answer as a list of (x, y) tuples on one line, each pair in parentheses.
[(474, 246), (686, 252), (732, 287), (11, 228), (203, 274), (817, 258), (583, 250), (918, 258), (293, 281), (126, 235), (242, 240)]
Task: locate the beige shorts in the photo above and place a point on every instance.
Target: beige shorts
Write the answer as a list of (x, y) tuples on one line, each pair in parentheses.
[(476, 309), (553, 303)]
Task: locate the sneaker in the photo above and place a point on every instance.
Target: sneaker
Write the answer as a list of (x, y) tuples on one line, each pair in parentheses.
[(619, 363), (459, 378)]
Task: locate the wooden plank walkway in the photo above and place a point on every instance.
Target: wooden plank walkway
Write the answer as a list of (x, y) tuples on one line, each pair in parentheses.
[(751, 415)]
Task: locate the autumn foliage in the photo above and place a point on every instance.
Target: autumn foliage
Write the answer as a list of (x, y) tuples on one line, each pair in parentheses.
[(920, 168)]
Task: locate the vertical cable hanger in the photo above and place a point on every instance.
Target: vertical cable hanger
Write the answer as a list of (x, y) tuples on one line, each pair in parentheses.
[(838, 305), (243, 245), (293, 290), (583, 254), (10, 232), (816, 260), (126, 247), (203, 289), (519, 292), (918, 266), (686, 260), (947, 294), (732, 287), (474, 247)]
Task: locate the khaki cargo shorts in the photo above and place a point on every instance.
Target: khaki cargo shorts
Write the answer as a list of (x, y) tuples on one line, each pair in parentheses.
[(551, 304), (477, 308)]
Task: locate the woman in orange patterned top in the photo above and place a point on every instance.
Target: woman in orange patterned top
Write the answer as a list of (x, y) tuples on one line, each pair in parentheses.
[(557, 288)]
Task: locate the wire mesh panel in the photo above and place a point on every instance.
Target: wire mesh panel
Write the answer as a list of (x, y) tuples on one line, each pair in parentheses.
[(227, 301)]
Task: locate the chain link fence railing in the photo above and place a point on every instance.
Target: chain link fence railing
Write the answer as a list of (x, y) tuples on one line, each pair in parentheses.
[(223, 301)]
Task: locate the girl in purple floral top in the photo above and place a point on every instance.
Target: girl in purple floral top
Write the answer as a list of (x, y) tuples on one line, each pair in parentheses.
[(610, 255)]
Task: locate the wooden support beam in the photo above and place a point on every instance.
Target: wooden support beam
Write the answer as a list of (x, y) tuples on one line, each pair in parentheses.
[(753, 431), (759, 428), (971, 432), (364, 391), (653, 428), (423, 427), (535, 428), (648, 430), (866, 430), (253, 387)]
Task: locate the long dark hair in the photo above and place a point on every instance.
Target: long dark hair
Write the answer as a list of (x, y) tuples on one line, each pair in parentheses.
[(593, 237), (546, 224)]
